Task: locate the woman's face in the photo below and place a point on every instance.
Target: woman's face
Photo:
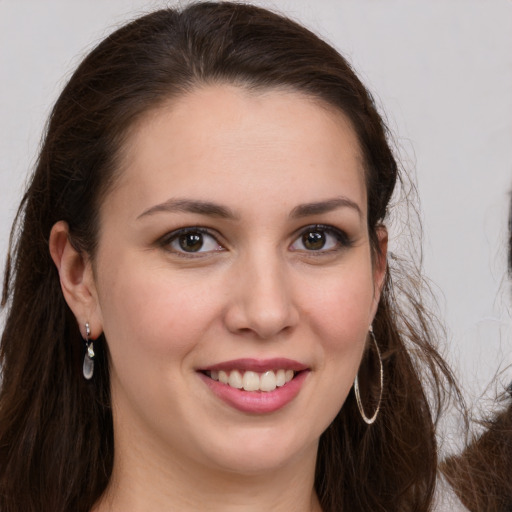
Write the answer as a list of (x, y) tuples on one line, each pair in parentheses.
[(235, 248)]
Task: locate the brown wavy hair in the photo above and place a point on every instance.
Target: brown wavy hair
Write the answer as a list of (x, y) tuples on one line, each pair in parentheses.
[(56, 434), (482, 474)]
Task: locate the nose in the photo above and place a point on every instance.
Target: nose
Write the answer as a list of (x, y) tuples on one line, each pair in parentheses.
[(262, 301)]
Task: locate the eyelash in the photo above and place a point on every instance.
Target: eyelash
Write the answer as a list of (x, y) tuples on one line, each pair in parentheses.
[(342, 239), (167, 241)]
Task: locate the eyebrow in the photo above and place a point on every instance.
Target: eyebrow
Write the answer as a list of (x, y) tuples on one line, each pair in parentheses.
[(190, 206), (211, 209), (317, 208)]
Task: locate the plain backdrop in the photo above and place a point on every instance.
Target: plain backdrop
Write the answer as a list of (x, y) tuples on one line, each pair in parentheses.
[(440, 71)]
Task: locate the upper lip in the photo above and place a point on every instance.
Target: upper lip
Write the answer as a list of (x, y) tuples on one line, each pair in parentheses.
[(257, 365)]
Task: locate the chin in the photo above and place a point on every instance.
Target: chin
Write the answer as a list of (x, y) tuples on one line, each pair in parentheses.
[(253, 454)]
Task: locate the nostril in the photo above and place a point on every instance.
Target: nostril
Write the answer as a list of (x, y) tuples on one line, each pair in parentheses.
[(262, 305)]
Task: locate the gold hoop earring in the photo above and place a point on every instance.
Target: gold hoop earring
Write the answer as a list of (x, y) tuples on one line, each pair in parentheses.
[(366, 419), (88, 366)]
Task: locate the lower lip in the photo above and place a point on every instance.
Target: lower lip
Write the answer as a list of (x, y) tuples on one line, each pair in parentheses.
[(257, 402)]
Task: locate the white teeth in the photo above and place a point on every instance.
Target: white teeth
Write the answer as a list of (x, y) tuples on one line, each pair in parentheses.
[(253, 381), (280, 378), (235, 379), (268, 381)]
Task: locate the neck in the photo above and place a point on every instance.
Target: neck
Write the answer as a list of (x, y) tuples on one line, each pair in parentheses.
[(147, 480)]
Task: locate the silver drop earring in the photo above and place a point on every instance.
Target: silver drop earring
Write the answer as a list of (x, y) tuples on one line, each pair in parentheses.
[(88, 367)]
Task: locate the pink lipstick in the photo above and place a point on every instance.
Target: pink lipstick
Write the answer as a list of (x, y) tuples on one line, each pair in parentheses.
[(254, 385)]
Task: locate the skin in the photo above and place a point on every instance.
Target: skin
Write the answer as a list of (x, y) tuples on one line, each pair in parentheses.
[(255, 290)]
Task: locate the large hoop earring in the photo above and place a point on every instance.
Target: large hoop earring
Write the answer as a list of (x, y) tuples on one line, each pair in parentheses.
[(88, 366), (366, 419)]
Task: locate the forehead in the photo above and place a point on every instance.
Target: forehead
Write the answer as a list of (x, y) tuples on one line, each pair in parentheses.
[(231, 141)]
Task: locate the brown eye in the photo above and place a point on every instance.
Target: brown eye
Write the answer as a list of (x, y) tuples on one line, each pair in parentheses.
[(314, 240), (194, 240), (321, 239), (191, 242)]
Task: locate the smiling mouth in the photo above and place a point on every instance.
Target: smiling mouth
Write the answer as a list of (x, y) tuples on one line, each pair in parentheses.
[(253, 381)]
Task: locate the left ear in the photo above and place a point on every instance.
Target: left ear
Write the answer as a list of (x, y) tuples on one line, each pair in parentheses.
[(380, 265)]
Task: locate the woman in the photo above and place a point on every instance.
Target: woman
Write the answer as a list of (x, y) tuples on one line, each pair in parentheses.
[(200, 277)]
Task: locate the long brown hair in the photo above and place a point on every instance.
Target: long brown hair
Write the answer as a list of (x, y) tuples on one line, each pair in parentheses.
[(56, 435), (482, 474)]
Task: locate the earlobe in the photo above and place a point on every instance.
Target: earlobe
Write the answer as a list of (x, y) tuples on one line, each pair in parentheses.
[(76, 276)]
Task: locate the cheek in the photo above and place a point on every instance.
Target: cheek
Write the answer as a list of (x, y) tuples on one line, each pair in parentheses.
[(341, 310), (339, 314), (153, 312)]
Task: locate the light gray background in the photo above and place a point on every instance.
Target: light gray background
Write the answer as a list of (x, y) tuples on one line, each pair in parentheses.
[(440, 70)]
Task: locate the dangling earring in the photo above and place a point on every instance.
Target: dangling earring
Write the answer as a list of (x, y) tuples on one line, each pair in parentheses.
[(367, 420), (88, 368)]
